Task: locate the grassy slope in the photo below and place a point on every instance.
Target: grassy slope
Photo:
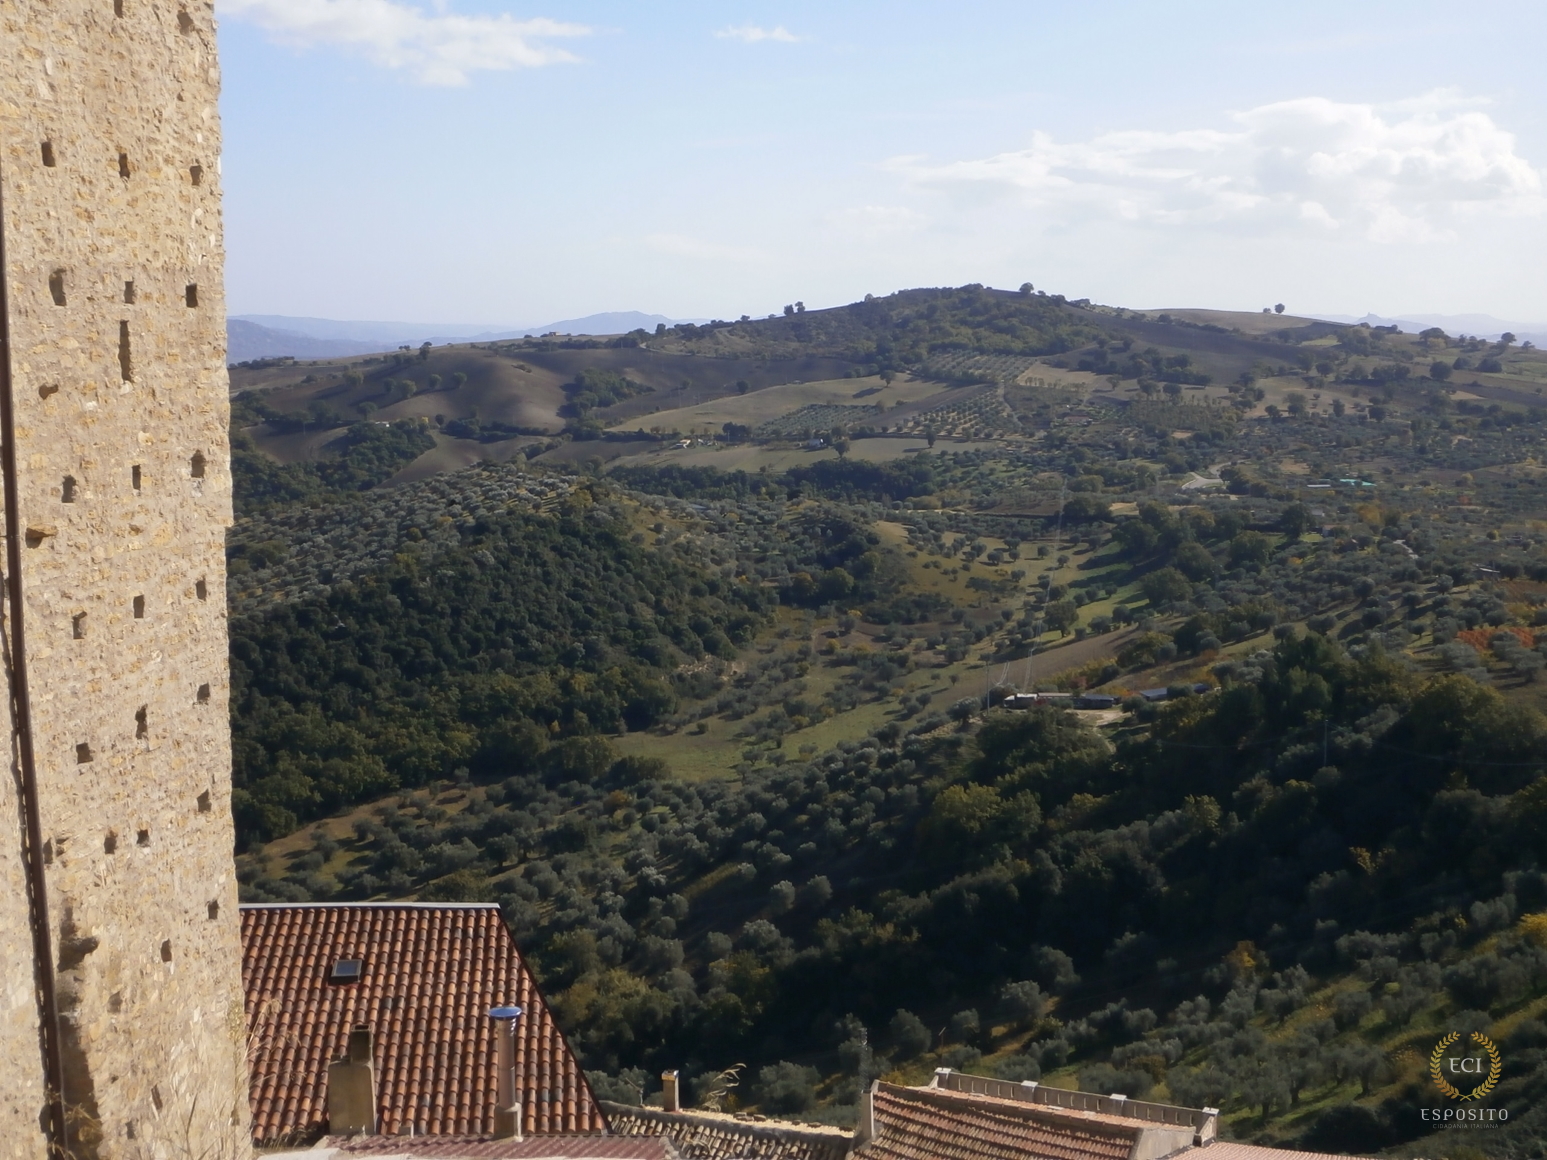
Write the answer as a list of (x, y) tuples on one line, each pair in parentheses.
[(517, 387), (771, 402)]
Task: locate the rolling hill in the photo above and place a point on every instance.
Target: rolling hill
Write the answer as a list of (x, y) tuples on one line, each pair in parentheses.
[(703, 674)]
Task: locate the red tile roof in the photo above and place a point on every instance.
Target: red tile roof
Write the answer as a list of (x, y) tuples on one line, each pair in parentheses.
[(930, 1124), (1232, 1150), (484, 1148), (713, 1136), (430, 973)]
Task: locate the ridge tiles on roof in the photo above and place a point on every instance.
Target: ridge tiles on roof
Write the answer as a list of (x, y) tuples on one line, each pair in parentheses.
[(700, 1135)]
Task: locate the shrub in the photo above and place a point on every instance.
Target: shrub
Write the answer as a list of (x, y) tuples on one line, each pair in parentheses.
[(1199, 1087), (786, 1087), (1350, 1007), (1018, 1068), (1022, 1003), (1350, 1128), (1106, 1080), (965, 1026), (909, 1035), (460, 886)]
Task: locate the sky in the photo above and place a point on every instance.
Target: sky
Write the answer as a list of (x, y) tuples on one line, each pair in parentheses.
[(512, 162)]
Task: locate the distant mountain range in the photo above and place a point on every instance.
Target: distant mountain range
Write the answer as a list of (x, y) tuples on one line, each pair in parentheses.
[(1482, 325), (251, 336)]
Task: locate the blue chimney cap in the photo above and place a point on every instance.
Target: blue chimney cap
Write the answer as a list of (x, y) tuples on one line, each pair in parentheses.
[(504, 1012)]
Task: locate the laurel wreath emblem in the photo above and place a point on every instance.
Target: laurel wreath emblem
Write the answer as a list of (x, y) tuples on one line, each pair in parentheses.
[(1495, 1069)]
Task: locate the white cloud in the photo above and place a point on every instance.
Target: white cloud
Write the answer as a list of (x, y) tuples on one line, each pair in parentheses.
[(1404, 172), (682, 246), (752, 34), (437, 49)]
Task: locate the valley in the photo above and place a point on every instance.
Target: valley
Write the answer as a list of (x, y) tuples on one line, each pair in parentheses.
[(692, 650)]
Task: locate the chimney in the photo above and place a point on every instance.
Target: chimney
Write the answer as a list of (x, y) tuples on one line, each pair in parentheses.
[(670, 1100), (507, 1109), (1208, 1129), (865, 1123), (352, 1089)]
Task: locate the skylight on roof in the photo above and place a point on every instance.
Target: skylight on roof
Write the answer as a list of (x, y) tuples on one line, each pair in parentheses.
[(345, 971)]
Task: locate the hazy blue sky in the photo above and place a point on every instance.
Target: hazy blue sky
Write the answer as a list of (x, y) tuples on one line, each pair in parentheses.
[(516, 161)]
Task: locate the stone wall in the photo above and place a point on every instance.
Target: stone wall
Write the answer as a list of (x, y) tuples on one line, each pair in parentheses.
[(110, 178)]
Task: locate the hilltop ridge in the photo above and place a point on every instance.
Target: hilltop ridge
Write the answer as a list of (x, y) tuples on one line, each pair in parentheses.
[(579, 399), (264, 336)]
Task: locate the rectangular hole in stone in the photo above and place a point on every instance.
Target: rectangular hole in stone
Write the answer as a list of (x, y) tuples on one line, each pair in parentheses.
[(48, 852), (110, 843), (134, 476), (191, 294), (214, 910), (67, 489), (196, 174), (48, 154), (129, 292), (201, 589), (56, 287), (142, 838), (155, 1092), (166, 950), (196, 465), (115, 1002), (141, 722), (139, 608), (48, 389), (125, 361), (82, 753), (129, 1125), (204, 802), (203, 694), (123, 165), (118, 10), (78, 626), (184, 21)]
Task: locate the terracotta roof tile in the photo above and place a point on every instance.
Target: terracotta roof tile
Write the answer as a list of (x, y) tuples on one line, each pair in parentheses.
[(430, 973), (929, 1124), (708, 1136), (1231, 1150), (485, 1148)]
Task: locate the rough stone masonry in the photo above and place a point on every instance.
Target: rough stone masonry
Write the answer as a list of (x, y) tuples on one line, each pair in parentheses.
[(119, 475)]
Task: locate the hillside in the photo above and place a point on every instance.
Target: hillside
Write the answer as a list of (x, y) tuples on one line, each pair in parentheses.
[(890, 371), (719, 725)]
